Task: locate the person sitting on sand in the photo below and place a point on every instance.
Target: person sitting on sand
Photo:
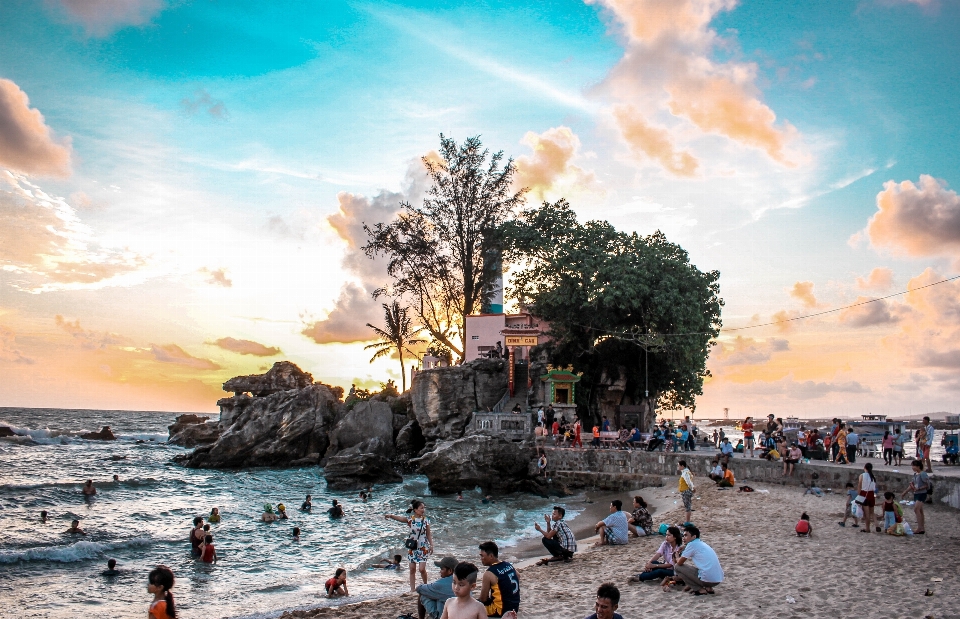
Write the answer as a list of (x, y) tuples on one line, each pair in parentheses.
[(500, 589), (389, 565), (640, 522), (307, 504), (728, 480), (698, 565), (214, 516), (337, 586), (716, 472), (111, 569), (558, 539), (75, 529), (608, 600), (432, 597), (88, 489), (336, 511), (660, 565), (613, 529), (268, 515), (462, 605), (804, 528), (282, 512)]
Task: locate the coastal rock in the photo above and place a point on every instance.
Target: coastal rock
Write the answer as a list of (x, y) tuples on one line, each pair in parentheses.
[(367, 420), (5, 431), (105, 434), (477, 460), (274, 430), (283, 376), (444, 399), (310, 460), (191, 430), (410, 439), (360, 466)]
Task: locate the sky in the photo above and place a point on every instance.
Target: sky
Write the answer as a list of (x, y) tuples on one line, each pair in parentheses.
[(183, 183)]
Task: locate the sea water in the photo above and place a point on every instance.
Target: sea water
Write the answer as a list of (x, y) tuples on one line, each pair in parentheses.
[(144, 520)]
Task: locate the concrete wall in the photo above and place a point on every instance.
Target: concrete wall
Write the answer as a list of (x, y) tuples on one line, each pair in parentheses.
[(611, 469)]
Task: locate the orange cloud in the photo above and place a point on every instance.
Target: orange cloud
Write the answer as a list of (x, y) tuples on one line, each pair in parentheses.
[(880, 278), (804, 292), (90, 339), (347, 322), (26, 144), (654, 142), (878, 312), (550, 164), (746, 351), (217, 277), (102, 17), (171, 353), (782, 318), (8, 347), (246, 347), (916, 220)]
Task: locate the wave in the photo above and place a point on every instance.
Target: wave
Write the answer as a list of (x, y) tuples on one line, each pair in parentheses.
[(146, 482), (79, 551), (46, 436)]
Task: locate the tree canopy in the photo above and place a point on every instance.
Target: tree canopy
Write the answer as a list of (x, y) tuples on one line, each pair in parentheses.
[(397, 334), (437, 250), (608, 294)]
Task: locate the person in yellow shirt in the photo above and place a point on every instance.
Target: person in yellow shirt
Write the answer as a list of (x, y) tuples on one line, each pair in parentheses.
[(686, 487)]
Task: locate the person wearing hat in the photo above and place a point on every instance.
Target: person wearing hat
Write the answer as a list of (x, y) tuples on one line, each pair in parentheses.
[(282, 512), (268, 515), (433, 596)]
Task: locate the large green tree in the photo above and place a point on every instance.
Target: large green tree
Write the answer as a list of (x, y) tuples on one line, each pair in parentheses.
[(441, 257), (610, 295)]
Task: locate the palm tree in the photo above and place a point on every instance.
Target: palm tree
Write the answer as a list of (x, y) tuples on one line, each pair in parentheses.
[(397, 334)]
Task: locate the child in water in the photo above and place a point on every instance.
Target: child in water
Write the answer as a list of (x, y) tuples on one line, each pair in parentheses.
[(307, 504), (282, 512), (159, 583), (296, 534), (214, 515), (395, 565), (111, 569), (208, 554), (337, 585), (75, 529), (804, 528)]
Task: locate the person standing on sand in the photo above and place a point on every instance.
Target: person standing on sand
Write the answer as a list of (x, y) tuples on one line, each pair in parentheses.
[(747, 427), (920, 486), (686, 487), (698, 565), (867, 488), (927, 443), (419, 541)]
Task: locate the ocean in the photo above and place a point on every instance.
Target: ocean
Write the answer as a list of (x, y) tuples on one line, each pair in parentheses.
[(144, 520)]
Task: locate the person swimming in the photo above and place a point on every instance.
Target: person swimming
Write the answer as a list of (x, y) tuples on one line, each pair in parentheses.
[(214, 515), (111, 569), (336, 511), (43, 516), (282, 512), (307, 504), (75, 529), (88, 489), (296, 534), (387, 565), (268, 515)]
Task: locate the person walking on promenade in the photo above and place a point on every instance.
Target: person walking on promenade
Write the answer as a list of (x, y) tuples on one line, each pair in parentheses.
[(928, 443), (899, 440), (841, 445), (747, 427)]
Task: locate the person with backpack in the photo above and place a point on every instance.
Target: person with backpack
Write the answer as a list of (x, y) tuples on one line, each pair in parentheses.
[(921, 487)]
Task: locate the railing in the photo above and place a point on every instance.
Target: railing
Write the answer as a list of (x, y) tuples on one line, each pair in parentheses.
[(498, 407)]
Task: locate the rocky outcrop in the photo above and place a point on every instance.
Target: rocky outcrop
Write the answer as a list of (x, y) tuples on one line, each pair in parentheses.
[(5, 431), (191, 430), (409, 439), (477, 460), (444, 399), (283, 376), (361, 466), (273, 430), (367, 420), (105, 434)]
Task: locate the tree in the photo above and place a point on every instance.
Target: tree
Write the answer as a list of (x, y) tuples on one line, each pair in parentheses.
[(608, 295), (397, 335), (442, 254)]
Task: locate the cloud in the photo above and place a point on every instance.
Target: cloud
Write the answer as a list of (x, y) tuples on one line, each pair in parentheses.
[(8, 347), (550, 166), (217, 277), (880, 278), (43, 240), (246, 347), (782, 318), (869, 315), (747, 351), (90, 340), (203, 101), (347, 321), (916, 220), (809, 389), (668, 67), (26, 143), (653, 142), (804, 292), (102, 17), (353, 211), (949, 359), (171, 353)]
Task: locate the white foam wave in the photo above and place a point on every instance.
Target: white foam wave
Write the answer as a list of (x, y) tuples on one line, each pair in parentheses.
[(79, 551)]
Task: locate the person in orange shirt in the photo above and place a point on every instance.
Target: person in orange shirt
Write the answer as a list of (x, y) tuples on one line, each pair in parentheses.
[(577, 441), (596, 436), (159, 583)]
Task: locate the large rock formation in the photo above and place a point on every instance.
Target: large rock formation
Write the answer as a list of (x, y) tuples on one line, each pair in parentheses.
[(283, 376), (477, 460), (444, 399), (192, 430), (361, 466), (367, 420), (5, 431)]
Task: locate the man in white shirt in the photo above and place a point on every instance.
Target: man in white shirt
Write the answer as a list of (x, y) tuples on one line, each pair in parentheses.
[(698, 565), (927, 443), (614, 529)]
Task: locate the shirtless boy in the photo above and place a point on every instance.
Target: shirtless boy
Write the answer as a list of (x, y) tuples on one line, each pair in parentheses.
[(462, 605)]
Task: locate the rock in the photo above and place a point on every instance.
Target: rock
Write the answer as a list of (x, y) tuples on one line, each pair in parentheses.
[(5, 431), (477, 460), (192, 430), (444, 399), (409, 439), (360, 466), (367, 420), (310, 460), (283, 376), (274, 430), (105, 434)]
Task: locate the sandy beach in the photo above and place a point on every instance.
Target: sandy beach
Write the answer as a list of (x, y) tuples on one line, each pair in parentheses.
[(840, 572)]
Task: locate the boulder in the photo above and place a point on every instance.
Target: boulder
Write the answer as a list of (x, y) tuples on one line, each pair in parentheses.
[(367, 420), (274, 430), (283, 376), (310, 460), (477, 460), (360, 466), (5, 431), (192, 430), (105, 434), (444, 399), (409, 439)]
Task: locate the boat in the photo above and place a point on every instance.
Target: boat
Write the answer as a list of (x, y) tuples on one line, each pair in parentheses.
[(871, 429)]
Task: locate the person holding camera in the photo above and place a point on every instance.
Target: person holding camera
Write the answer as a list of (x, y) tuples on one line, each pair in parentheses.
[(419, 542)]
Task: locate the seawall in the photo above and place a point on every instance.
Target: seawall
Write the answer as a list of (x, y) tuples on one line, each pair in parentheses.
[(612, 469)]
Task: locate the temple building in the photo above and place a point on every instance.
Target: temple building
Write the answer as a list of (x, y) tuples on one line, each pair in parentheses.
[(505, 336)]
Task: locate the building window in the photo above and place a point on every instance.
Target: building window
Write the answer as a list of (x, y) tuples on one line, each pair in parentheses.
[(474, 337)]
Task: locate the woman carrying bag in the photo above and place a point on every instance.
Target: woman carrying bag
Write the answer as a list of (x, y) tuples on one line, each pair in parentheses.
[(419, 543), (866, 496)]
